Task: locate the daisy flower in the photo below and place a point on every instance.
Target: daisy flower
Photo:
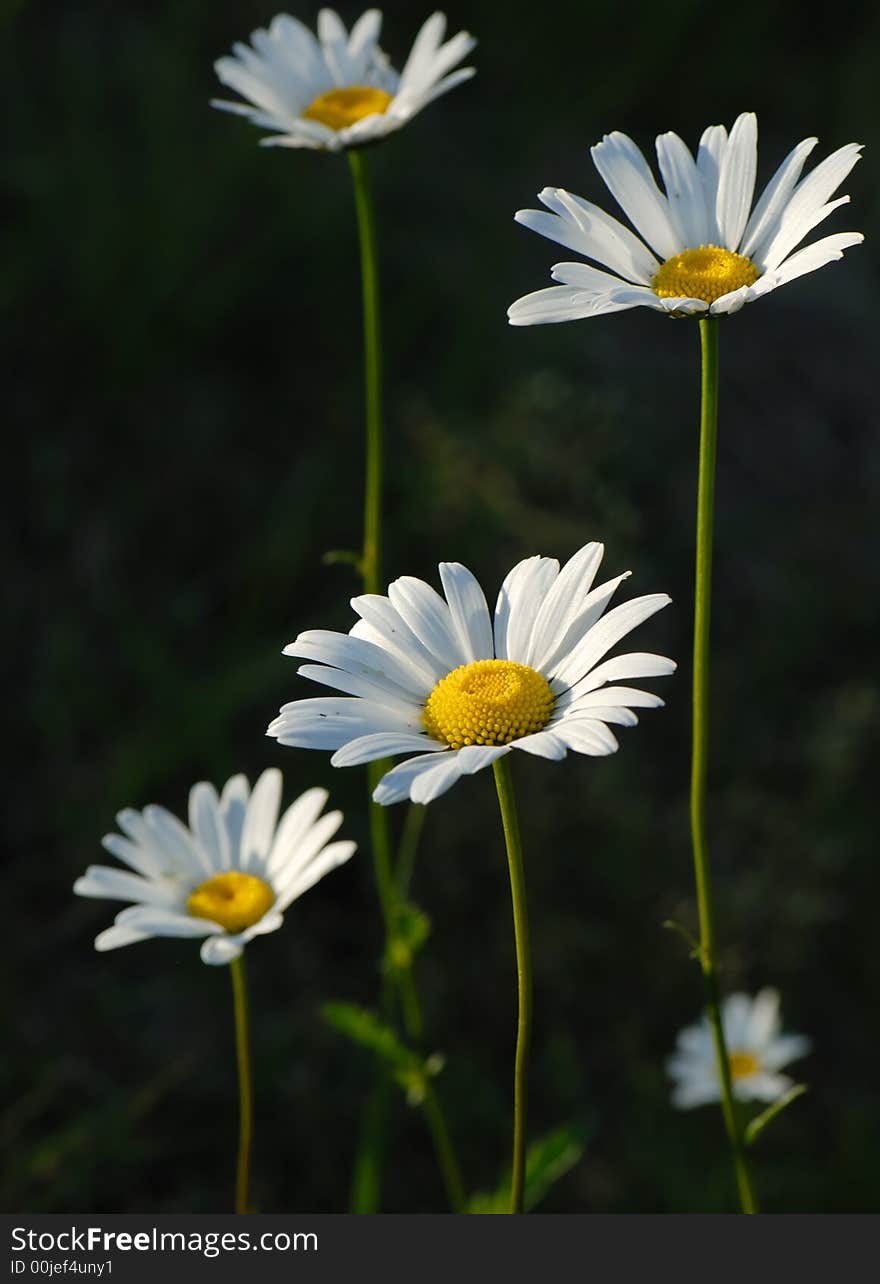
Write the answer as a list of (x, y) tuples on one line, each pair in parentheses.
[(338, 90), (228, 877), (703, 248), (757, 1051), (439, 679)]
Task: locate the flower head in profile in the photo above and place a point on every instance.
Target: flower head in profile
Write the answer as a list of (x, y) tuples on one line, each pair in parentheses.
[(338, 90), (436, 677), (756, 1048), (701, 247), (228, 877)]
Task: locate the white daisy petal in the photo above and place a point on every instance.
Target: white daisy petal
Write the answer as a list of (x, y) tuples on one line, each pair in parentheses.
[(519, 602), (119, 885), (608, 631), (355, 655), (406, 106), (469, 612), (684, 190), (416, 69), (429, 619), (218, 950), (244, 872), (762, 1087), (430, 784), (710, 157), (206, 823), (785, 1048), (362, 42), (473, 758), (325, 723), (294, 824), (383, 744), (627, 176), (233, 808), (562, 603), (637, 664), (543, 744), (809, 198), (261, 819), (380, 689), (395, 785), (113, 938), (396, 633), (153, 921), (308, 849), (762, 1023), (626, 696), (562, 303), (331, 857), (586, 735), (815, 256), (736, 181), (793, 231), (599, 236), (589, 611), (773, 200)]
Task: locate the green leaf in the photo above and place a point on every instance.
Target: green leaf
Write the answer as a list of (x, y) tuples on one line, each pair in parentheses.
[(365, 1028), (547, 1161), (757, 1125)]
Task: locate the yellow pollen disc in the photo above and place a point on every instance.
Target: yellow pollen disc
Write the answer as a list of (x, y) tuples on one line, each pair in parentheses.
[(705, 274), (488, 702), (742, 1064), (233, 900), (342, 107)]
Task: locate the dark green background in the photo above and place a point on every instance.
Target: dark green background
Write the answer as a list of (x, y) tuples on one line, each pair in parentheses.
[(182, 388)]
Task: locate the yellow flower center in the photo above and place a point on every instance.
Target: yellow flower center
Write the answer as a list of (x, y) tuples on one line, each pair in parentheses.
[(742, 1064), (340, 108), (488, 702), (233, 900), (705, 274)]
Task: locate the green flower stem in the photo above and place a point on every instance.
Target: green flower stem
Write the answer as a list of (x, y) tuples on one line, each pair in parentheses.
[(409, 845), (699, 761), (510, 822), (245, 1086), (368, 1161), (366, 220)]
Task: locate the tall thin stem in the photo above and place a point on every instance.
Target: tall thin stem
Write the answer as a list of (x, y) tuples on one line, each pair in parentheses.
[(700, 755), (510, 822), (245, 1086), (366, 220), (368, 1161)]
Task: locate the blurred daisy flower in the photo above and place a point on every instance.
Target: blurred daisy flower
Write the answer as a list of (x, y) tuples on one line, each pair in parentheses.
[(757, 1051), (437, 678), (338, 90), (703, 249), (229, 877)]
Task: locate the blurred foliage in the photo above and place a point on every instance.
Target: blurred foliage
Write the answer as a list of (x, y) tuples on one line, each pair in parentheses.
[(183, 344)]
